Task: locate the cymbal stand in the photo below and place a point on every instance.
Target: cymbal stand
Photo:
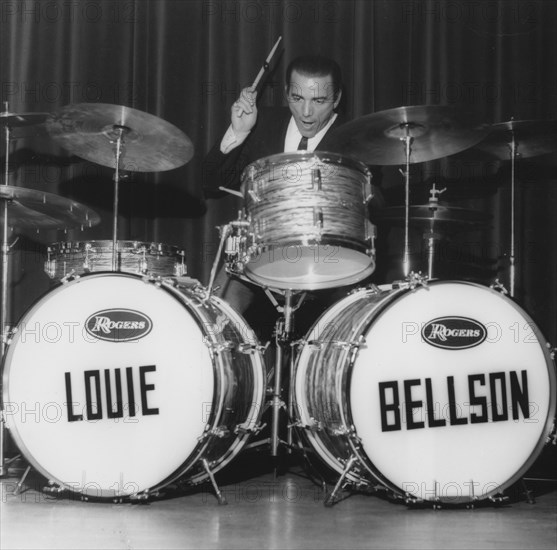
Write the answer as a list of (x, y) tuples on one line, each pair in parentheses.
[(431, 236), (117, 138), (5, 248), (512, 269), (284, 333), (408, 139)]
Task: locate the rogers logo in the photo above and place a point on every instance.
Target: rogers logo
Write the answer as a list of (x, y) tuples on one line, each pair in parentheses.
[(454, 333), (118, 325)]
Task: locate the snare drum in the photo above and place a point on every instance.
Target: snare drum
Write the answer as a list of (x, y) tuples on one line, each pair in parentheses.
[(307, 224), (116, 386), (442, 394), (143, 258)]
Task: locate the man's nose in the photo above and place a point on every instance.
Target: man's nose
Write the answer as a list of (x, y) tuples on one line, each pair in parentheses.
[(307, 109)]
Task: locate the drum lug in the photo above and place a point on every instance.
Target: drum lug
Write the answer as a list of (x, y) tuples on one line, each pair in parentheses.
[(245, 429), (316, 181), (53, 488), (315, 344), (142, 497), (218, 347), (318, 220), (412, 281), (499, 499), (181, 268), (348, 432), (71, 276), (370, 236), (254, 196), (313, 426), (341, 430), (357, 290), (411, 500), (368, 192), (219, 431), (250, 349), (499, 287), (374, 289)]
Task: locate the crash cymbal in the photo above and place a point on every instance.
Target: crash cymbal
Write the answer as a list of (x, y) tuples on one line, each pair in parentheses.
[(17, 120), (29, 208), (425, 214), (90, 131), (437, 131), (532, 138)]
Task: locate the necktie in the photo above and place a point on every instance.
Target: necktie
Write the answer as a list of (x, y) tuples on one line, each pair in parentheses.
[(303, 145)]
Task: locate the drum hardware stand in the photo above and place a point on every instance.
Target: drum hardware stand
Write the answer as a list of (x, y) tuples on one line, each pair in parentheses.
[(412, 281), (224, 233), (220, 497), (513, 146), (4, 332), (430, 236), (116, 137), (331, 498), (408, 139), (284, 330)]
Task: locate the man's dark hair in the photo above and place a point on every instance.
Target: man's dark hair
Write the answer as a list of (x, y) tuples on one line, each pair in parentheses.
[(316, 65)]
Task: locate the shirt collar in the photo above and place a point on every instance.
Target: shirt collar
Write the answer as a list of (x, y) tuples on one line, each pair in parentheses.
[(293, 136)]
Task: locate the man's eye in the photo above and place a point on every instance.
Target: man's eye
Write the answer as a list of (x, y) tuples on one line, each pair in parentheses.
[(320, 101)]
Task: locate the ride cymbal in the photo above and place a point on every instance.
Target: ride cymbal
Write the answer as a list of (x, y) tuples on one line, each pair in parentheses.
[(425, 214), (531, 137), (148, 143), (29, 208), (379, 138), (17, 120)]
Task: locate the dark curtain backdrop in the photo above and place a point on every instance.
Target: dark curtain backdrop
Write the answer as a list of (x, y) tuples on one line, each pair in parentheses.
[(185, 61)]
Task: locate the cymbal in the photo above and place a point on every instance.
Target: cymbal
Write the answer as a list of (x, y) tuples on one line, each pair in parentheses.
[(16, 120), (532, 138), (437, 131), (425, 214), (29, 208), (90, 131)]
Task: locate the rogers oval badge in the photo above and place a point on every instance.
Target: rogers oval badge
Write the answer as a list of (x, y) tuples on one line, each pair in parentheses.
[(118, 325), (454, 333)]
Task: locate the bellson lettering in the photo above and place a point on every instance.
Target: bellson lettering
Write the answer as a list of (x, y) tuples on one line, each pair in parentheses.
[(489, 397), (106, 400)]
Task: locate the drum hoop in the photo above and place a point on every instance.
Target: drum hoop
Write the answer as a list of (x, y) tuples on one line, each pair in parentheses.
[(551, 375), (303, 156), (122, 246)]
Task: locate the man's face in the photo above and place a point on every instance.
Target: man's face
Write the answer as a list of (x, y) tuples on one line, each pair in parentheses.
[(311, 101)]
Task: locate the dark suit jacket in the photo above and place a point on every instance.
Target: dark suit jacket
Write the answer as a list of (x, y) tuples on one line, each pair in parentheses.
[(265, 139)]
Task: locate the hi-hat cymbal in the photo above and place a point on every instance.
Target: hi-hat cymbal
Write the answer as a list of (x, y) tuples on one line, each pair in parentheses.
[(437, 131), (17, 120), (29, 208), (532, 138), (90, 131), (426, 215)]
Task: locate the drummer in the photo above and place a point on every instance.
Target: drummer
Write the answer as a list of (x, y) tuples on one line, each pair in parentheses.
[(313, 91)]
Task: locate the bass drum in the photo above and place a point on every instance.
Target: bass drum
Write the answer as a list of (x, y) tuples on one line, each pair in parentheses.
[(443, 393), (116, 386)]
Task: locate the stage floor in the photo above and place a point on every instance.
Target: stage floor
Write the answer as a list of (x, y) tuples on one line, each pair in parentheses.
[(268, 511)]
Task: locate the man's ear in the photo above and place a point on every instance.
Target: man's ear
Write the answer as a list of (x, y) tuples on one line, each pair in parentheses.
[(337, 100)]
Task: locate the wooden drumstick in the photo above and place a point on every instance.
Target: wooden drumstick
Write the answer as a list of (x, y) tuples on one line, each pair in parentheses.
[(265, 65)]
